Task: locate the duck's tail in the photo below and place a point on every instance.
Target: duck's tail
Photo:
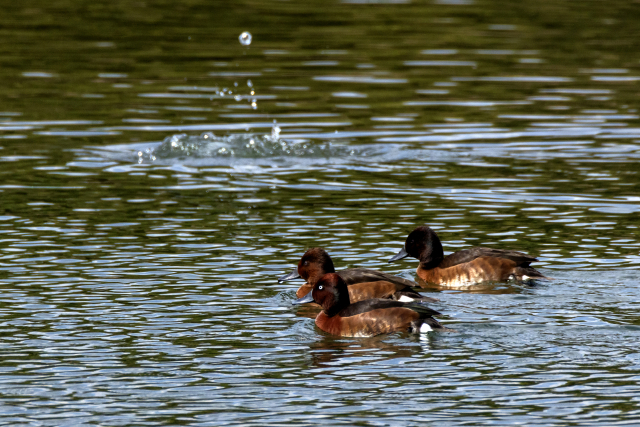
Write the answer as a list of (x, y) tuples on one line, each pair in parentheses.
[(412, 296), (431, 324)]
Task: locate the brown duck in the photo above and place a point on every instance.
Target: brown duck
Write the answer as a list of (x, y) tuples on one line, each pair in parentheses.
[(362, 283), (365, 318), (466, 267)]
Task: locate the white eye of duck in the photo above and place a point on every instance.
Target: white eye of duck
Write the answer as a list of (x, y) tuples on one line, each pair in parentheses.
[(320, 287)]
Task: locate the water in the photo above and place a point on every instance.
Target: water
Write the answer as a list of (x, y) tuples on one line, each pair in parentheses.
[(142, 232), (245, 38)]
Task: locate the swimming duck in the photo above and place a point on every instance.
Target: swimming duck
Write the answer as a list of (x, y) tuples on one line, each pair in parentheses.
[(362, 283), (365, 318), (466, 267)]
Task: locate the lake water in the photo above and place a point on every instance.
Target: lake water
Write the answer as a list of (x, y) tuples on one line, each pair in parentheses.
[(157, 176)]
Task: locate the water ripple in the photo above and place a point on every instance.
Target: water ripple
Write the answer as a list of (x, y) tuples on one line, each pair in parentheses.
[(150, 202)]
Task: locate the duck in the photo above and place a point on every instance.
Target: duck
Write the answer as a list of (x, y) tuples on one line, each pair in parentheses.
[(362, 283), (465, 267), (365, 318)]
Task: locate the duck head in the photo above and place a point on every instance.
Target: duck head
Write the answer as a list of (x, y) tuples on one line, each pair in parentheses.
[(330, 292), (314, 264), (423, 244)]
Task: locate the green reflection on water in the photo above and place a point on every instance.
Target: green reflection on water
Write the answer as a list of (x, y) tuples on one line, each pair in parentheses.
[(155, 277)]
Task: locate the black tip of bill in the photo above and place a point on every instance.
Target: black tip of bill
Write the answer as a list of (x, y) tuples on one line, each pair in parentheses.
[(399, 255), (291, 276)]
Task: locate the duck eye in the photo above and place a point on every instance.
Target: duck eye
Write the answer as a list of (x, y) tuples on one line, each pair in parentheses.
[(306, 263), (320, 287)]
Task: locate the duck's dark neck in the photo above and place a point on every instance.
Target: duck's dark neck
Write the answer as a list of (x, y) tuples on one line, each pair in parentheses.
[(330, 312), (340, 302), (433, 256), (431, 263)]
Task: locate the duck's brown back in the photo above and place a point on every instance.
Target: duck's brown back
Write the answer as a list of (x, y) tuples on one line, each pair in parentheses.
[(468, 255), (368, 324), (361, 275), (369, 290), (373, 317), (483, 269)]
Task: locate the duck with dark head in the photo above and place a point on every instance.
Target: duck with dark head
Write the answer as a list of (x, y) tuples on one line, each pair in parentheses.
[(365, 318), (362, 283), (466, 267)]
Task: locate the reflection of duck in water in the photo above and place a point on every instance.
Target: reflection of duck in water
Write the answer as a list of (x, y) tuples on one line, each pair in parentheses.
[(362, 283), (328, 350), (365, 318), (466, 267)]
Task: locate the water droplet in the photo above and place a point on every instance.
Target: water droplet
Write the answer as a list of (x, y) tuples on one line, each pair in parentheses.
[(254, 105), (249, 83), (238, 98), (245, 38), (275, 132), (140, 153)]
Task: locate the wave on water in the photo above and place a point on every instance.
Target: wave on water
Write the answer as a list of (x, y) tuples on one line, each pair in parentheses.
[(270, 150), (376, 149), (239, 146)]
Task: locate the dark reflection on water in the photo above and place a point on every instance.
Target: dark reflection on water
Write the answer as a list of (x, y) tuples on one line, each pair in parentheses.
[(139, 263)]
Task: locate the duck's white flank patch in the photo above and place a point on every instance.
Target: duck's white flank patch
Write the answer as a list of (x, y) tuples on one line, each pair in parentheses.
[(405, 298), (425, 328), (525, 277)]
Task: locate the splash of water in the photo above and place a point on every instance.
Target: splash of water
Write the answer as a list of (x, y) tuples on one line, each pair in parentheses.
[(242, 146)]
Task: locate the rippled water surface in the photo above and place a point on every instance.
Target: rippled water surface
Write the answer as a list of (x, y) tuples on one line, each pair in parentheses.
[(157, 176)]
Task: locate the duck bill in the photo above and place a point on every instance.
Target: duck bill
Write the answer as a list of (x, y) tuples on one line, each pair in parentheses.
[(293, 275), (305, 299), (399, 255)]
